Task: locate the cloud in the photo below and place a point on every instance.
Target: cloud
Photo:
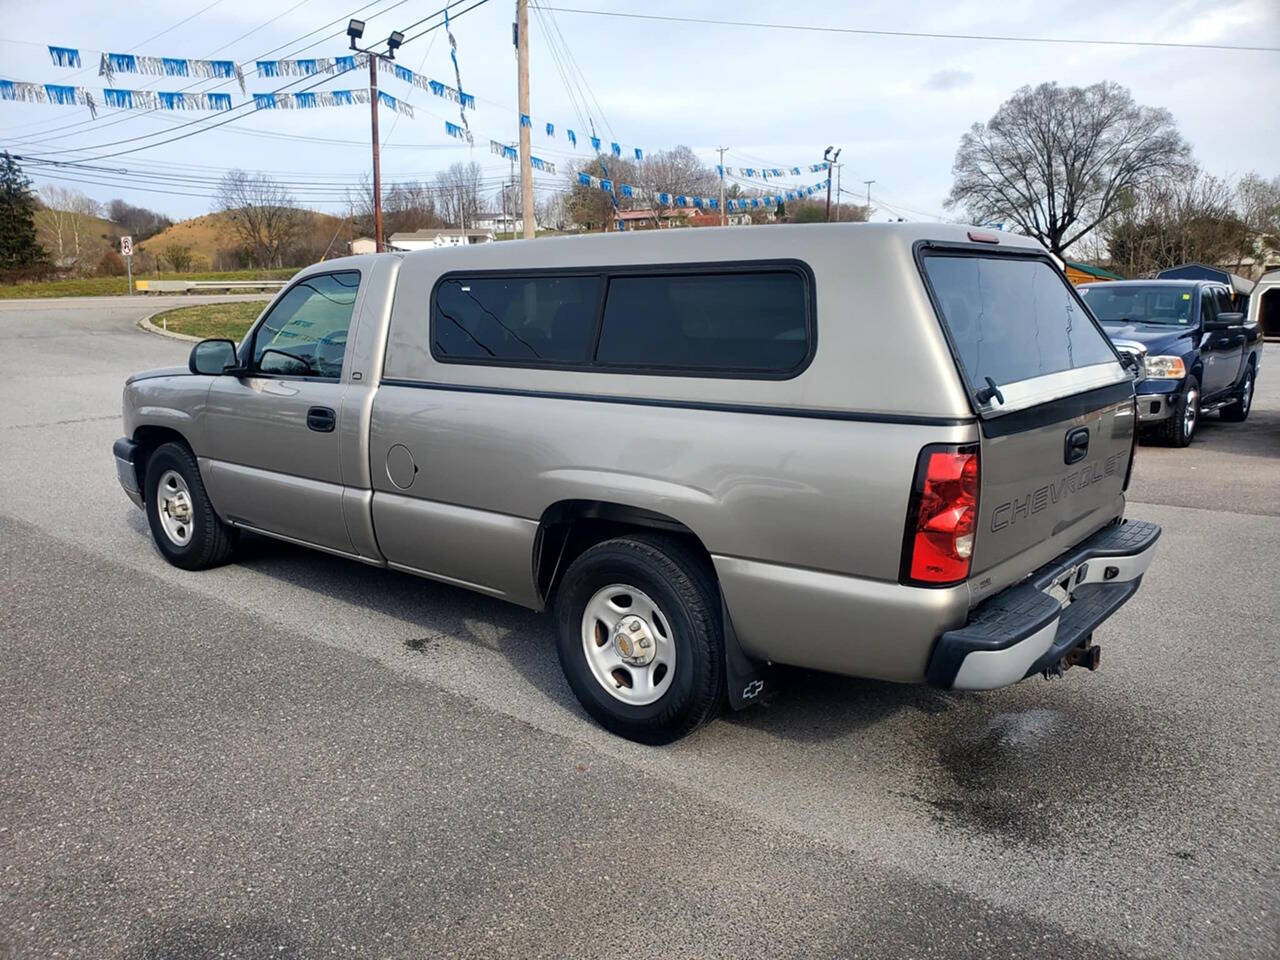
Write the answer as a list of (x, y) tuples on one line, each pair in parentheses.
[(949, 80)]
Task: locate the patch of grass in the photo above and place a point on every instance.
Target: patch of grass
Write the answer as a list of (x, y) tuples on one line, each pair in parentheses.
[(230, 320), (119, 286)]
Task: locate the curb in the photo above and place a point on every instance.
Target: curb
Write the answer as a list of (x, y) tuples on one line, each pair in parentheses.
[(146, 324)]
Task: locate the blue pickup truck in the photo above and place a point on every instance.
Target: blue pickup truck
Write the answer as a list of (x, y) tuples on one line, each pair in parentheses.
[(1198, 351)]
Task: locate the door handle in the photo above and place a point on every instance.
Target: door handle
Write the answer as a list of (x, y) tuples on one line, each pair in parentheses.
[(1076, 447), (321, 419)]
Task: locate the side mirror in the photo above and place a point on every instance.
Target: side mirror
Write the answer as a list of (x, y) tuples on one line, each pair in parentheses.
[(212, 358), (1231, 319)]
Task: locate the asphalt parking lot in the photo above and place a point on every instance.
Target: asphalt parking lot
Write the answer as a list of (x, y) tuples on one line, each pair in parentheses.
[(298, 756)]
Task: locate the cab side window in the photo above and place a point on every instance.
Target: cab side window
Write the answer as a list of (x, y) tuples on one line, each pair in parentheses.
[(305, 334), (1223, 296), (1208, 305)]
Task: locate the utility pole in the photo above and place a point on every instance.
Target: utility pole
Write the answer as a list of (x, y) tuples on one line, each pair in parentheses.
[(829, 157), (355, 30), (839, 169), (522, 80), (868, 183), (723, 217), (377, 160)]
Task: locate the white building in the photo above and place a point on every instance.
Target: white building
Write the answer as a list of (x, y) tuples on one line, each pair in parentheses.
[(499, 222), (429, 239), (363, 245)]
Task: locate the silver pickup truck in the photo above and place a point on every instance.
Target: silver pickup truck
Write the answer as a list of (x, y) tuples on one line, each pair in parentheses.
[(895, 451)]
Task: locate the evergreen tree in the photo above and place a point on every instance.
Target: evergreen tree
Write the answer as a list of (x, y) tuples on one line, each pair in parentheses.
[(18, 246)]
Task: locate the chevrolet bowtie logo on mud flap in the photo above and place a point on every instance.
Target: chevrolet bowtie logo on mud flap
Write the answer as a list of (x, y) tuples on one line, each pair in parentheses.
[(1007, 514)]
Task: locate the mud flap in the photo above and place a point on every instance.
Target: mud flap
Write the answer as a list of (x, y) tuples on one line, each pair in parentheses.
[(748, 680)]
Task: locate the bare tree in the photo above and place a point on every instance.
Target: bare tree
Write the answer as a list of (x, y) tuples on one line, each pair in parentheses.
[(457, 194), (405, 206), (71, 227), (1259, 203), (1057, 162), (677, 171), (179, 255), (1191, 219), (263, 214)]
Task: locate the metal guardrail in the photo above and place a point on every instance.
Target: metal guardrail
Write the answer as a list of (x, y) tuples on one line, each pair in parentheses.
[(184, 286)]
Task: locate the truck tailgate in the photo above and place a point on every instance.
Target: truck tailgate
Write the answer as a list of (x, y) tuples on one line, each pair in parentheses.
[(1047, 485)]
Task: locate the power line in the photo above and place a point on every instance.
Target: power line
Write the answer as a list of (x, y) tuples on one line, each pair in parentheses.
[(919, 34)]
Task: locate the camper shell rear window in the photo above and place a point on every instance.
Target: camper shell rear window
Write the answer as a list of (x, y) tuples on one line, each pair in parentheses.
[(1011, 318)]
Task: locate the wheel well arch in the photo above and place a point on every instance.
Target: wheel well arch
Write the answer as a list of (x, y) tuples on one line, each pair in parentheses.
[(150, 438), (568, 528)]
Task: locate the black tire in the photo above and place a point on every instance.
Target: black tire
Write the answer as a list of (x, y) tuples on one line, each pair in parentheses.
[(210, 542), (682, 585), (1176, 431), (1238, 412)]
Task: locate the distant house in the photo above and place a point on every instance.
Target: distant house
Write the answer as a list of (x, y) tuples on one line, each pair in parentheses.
[(649, 219), (499, 222), (1079, 273), (363, 245), (430, 239)]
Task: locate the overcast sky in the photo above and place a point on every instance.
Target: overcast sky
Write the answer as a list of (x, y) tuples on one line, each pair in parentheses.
[(897, 105)]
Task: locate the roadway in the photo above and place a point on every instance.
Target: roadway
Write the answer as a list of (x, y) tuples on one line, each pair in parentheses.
[(298, 756)]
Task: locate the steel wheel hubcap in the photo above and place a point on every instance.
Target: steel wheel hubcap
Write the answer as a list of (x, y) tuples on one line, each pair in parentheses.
[(173, 504), (1246, 395), (1189, 414), (628, 644)]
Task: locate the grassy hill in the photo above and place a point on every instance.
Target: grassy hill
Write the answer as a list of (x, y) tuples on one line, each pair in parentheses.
[(213, 241)]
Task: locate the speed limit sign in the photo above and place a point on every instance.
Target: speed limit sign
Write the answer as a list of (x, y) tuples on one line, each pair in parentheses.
[(126, 246)]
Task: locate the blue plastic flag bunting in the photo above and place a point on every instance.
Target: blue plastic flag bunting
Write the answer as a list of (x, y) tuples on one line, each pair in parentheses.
[(64, 56), (22, 92)]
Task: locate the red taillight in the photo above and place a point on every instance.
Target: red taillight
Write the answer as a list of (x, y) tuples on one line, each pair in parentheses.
[(942, 517)]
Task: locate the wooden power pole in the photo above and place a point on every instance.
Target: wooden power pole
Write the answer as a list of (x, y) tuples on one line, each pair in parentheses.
[(526, 164)]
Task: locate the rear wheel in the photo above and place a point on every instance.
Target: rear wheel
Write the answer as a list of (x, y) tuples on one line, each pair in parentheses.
[(186, 530), (1238, 412), (640, 637), (1181, 425)]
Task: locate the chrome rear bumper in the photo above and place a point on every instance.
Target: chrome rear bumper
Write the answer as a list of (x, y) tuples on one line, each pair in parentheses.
[(1032, 625)]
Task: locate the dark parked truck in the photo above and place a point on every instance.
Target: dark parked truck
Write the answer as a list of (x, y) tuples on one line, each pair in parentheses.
[(1201, 352), (891, 451)]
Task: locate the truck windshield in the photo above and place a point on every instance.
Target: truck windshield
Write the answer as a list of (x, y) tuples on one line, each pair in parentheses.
[(1012, 318), (1156, 303)]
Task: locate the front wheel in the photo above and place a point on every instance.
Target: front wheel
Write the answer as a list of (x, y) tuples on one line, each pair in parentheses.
[(1238, 411), (183, 524), (640, 637), (1181, 425)]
